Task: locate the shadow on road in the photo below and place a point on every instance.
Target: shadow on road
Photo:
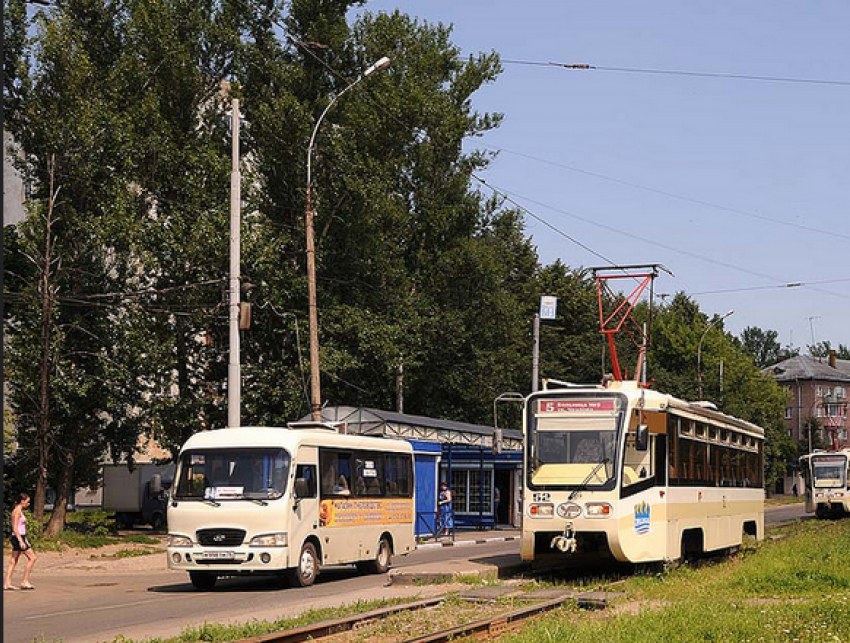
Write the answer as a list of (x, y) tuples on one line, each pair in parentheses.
[(252, 583)]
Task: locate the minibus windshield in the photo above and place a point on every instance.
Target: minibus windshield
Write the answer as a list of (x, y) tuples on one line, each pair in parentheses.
[(218, 474)]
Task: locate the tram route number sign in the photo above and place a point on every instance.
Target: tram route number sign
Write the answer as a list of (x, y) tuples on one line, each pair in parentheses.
[(576, 406)]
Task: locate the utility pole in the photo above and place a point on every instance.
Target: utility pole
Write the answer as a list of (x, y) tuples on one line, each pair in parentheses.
[(535, 355), (234, 372)]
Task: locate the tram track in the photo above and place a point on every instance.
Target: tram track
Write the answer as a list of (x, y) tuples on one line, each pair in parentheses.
[(486, 628)]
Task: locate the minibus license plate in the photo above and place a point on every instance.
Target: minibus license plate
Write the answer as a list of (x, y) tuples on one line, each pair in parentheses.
[(218, 555)]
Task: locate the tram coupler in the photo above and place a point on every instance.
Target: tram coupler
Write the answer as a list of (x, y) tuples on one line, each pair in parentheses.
[(566, 542)]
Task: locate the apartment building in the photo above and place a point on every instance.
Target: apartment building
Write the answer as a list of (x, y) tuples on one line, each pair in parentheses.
[(819, 388)]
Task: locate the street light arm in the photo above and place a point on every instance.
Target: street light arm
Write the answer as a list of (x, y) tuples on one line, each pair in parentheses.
[(699, 346), (380, 65)]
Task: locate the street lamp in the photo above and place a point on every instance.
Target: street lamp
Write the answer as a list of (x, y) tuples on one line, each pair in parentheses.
[(699, 347), (315, 386)]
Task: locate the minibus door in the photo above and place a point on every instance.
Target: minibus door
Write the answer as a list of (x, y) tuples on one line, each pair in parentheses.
[(305, 503)]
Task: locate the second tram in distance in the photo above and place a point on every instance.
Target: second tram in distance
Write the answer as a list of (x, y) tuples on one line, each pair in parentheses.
[(625, 473), (827, 482)]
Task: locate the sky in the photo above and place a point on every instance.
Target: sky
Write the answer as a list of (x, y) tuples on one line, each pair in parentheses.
[(738, 186)]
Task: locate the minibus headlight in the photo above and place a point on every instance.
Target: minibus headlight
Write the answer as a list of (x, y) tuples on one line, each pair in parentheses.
[(269, 540), (541, 510), (597, 509), (179, 541)]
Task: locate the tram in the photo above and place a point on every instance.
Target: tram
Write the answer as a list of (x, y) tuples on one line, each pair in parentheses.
[(621, 472), (827, 482)]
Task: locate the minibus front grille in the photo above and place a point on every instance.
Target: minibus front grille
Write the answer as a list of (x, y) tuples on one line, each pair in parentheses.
[(221, 537)]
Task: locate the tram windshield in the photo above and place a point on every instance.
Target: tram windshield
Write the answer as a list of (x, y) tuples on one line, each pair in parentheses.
[(570, 437), (829, 471)]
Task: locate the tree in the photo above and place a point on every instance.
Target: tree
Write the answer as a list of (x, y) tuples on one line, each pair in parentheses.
[(762, 345), (822, 349)]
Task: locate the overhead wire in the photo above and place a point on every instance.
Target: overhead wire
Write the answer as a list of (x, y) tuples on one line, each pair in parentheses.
[(680, 72), (799, 226)]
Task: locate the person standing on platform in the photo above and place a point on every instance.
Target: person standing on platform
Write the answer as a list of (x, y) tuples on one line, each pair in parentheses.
[(446, 509)]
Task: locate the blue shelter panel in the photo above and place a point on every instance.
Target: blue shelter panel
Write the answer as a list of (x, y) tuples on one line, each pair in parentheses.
[(426, 457)]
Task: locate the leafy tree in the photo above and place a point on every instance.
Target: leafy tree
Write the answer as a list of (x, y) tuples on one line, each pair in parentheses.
[(763, 345), (822, 349)]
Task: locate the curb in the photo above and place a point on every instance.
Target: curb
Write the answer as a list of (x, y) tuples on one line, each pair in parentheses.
[(466, 543)]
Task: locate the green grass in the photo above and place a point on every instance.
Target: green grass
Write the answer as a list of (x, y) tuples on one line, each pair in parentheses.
[(219, 633), (133, 553), (796, 588)]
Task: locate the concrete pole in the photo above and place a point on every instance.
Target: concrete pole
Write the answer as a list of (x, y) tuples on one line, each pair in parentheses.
[(234, 373), (535, 359)]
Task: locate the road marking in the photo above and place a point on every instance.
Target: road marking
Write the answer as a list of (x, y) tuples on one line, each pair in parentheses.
[(94, 609)]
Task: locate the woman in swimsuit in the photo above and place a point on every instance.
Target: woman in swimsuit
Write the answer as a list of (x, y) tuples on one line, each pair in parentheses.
[(20, 545)]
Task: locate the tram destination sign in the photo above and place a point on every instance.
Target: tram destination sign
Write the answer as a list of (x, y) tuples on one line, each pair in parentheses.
[(576, 406)]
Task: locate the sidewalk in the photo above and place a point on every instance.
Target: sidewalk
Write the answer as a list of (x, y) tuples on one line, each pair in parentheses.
[(470, 536), (447, 571)]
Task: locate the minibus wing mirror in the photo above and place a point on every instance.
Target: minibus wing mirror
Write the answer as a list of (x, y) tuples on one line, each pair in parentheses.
[(302, 488), (642, 437)]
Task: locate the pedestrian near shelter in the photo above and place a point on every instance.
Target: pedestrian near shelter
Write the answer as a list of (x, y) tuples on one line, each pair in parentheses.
[(461, 454)]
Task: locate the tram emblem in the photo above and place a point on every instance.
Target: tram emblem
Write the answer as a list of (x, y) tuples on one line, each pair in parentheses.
[(642, 512)]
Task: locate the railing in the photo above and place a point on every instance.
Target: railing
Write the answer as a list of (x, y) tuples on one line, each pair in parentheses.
[(432, 526)]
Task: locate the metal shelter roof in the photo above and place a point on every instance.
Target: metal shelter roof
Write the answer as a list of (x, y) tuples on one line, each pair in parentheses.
[(419, 427)]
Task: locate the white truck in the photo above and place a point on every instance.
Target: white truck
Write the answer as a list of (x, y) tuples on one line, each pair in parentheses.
[(138, 495)]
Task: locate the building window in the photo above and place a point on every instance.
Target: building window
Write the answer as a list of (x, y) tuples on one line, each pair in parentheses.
[(818, 391), (788, 412), (467, 491), (839, 392)]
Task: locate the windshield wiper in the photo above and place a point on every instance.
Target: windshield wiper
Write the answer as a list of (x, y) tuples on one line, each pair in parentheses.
[(212, 503), (590, 475), (259, 501)]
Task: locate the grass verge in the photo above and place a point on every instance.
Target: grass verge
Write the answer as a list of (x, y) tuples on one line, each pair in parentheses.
[(796, 588)]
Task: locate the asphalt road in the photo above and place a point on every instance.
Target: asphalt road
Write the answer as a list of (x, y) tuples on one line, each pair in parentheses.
[(97, 606), (143, 599)]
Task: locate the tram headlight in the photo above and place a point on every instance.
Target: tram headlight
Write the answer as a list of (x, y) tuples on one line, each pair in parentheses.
[(541, 510), (597, 510), (179, 541), (269, 540)]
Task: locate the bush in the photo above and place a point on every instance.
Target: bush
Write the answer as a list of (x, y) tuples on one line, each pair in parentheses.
[(92, 523)]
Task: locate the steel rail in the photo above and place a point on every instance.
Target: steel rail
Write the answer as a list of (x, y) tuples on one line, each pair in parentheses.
[(335, 626), (492, 626), (499, 624)]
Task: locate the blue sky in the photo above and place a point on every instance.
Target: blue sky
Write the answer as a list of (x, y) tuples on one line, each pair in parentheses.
[(734, 185)]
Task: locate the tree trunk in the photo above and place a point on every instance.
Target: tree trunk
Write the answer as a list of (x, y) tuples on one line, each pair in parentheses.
[(45, 367), (60, 508)]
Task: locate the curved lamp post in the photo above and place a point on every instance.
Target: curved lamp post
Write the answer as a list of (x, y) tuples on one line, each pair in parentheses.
[(315, 386), (699, 347)]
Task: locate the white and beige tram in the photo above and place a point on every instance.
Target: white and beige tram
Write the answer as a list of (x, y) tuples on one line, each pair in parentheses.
[(625, 473), (827, 482)]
